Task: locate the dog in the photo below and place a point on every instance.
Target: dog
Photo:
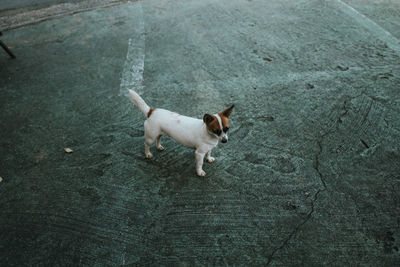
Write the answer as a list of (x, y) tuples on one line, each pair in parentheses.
[(201, 135)]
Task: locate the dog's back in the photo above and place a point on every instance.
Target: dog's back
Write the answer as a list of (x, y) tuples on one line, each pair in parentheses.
[(183, 129)]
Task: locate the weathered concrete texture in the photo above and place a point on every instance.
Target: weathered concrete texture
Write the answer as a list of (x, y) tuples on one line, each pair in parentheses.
[(13, 4), (384, 12), (24, 13), (310, 174)]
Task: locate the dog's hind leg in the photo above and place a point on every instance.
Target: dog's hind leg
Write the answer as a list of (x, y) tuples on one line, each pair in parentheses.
[(147, 143), (158, 143), (149, 138)]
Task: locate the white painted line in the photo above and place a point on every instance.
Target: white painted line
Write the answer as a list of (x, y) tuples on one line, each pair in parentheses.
[(383, 34), (132, 74)]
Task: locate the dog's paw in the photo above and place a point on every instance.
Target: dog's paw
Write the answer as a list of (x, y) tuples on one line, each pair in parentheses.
[(160, 148), (201, 173), (149, 156), (210, 159)]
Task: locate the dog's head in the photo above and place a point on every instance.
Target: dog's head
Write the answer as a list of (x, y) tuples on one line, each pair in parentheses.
[(218, 124)]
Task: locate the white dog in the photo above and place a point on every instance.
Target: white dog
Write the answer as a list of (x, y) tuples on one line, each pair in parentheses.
[(202, 135)]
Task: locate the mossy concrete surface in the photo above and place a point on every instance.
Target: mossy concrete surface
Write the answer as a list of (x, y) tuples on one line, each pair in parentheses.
[(310, 174)]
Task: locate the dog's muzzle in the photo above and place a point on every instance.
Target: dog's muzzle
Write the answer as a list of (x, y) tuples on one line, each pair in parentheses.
[(224, 140)]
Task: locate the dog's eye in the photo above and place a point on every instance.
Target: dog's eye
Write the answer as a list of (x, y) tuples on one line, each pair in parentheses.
[(226, 129), (217, 131)]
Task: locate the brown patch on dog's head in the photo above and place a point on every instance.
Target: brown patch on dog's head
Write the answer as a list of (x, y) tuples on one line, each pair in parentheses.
[(212, 123), (150, 112), (225, 117)]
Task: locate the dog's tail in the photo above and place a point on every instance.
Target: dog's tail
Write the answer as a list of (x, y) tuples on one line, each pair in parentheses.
[(139, 102)]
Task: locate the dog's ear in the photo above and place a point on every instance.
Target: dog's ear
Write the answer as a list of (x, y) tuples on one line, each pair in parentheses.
[(208, 118), (227, 112)]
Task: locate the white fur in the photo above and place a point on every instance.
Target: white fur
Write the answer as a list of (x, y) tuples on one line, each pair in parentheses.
[(139, 102), (223, 134), (190, 132)]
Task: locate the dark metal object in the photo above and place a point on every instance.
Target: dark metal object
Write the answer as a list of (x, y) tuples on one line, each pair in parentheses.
[(6, 48)]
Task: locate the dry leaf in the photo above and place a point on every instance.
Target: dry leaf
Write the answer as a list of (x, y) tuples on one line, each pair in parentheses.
[(68, 150)]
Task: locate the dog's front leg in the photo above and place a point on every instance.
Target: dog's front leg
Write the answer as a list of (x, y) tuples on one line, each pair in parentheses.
[(209, 158), (199, 163)]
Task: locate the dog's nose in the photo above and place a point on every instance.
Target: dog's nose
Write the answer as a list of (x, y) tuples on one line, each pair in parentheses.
[(224, 140)]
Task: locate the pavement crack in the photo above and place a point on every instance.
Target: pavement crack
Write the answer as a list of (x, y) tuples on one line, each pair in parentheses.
[(346, 110), (317, 160), (365, 144), (317, 163), (316, 166), (296, 229)]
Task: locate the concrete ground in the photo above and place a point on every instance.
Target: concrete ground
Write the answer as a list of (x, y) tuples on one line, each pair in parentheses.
[(14, 4), (310, 174)]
